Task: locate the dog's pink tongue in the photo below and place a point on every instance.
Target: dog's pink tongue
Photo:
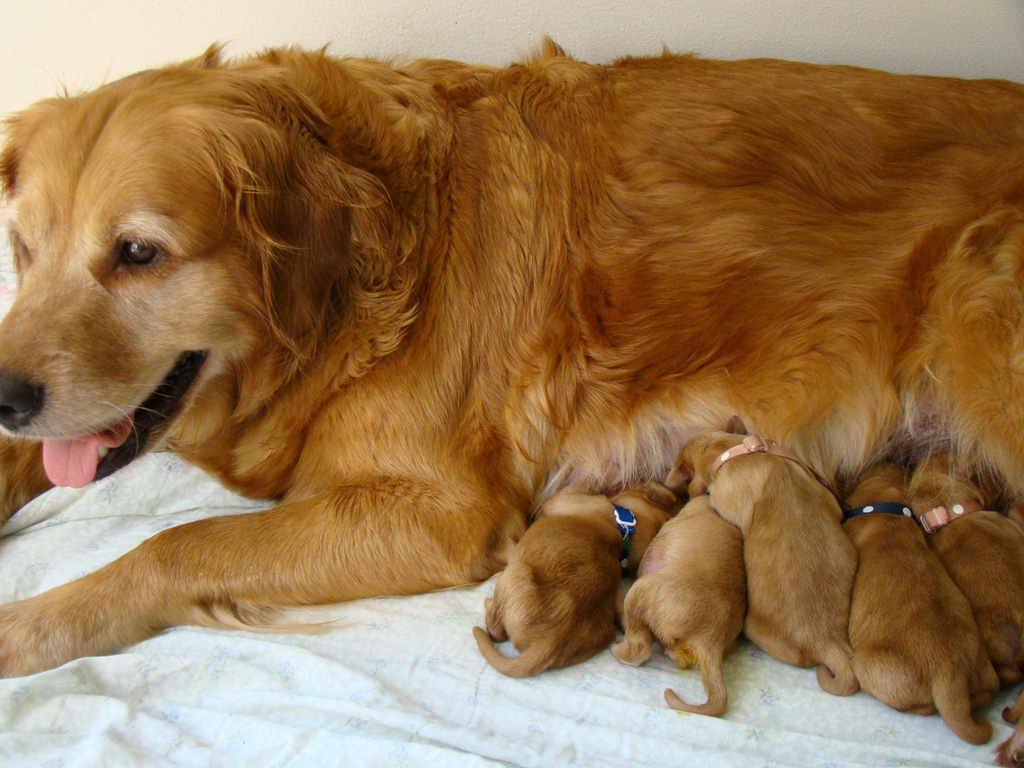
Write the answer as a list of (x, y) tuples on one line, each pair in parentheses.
[(72, 463)]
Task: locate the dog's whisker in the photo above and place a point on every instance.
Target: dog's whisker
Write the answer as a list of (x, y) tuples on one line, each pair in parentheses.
[(127, 415)]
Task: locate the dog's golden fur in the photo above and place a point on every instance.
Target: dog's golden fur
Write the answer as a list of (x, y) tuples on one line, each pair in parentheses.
[(433, 293), (917, 646)]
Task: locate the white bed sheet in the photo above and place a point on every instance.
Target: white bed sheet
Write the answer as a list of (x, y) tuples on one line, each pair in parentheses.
[(398, 682)]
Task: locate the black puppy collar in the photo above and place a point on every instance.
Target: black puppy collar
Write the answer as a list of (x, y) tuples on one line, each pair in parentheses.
[(885, 507)]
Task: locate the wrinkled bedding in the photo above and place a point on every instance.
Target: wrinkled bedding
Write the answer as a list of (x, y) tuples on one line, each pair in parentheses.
[(390, 681)]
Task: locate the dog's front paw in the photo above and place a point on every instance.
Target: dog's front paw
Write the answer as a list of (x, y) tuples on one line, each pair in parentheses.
[(65, 623), (31, 639)]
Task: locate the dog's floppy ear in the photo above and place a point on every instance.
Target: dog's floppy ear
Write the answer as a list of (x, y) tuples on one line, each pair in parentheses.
[(736, 426), (320, 227), (18, 131), (10, 160)]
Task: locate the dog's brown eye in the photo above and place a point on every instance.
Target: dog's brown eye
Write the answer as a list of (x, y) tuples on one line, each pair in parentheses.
[(138, 252)]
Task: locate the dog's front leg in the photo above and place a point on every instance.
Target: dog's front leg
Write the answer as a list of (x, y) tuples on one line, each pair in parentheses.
[(21, 474), (382, 538)]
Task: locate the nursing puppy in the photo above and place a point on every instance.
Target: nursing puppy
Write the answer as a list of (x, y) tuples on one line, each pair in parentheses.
[(560, 595), (917, 647), (691, 597), (982, 551), (799, 564)]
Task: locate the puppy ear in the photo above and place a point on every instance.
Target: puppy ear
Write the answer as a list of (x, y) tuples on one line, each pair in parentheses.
[(736, 426), (661, 495), (680, 477)]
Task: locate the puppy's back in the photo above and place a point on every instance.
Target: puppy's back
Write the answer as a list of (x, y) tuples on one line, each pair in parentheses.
[(557, 596)]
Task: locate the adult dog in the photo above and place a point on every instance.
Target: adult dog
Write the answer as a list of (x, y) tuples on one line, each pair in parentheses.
[(407, 302)]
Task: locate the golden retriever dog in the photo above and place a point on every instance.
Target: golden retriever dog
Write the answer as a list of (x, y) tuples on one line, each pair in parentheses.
[(560, 595), (799, 564), (407, 302), (917, 646), (691, 595), (983, 552)]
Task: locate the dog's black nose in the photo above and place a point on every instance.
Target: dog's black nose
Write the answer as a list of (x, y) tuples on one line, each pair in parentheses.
[(20, 401)]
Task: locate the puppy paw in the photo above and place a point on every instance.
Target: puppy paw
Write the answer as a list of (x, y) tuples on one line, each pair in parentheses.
[(623, 653)]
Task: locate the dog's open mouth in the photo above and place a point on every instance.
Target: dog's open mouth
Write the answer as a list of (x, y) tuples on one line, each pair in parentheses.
[(76, 463)]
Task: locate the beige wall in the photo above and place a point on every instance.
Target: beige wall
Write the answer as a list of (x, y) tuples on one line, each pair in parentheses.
[(80, 43)]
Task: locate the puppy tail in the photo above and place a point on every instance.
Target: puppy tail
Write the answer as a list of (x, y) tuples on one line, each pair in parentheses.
[(836, 675), (714, 686), (1011, 751), (534, 660), (954, 704), (1013, 714), (492, 620)]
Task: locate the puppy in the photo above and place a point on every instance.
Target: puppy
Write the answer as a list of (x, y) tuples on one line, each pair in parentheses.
[(560, 594), (800, 567), (983, 552), (692, 597), (918, 648)]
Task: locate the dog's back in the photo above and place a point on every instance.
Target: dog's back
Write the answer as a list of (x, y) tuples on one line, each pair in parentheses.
[(713, 188)]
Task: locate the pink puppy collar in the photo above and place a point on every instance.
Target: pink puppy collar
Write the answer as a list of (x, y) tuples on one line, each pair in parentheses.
[(750, 444), (939, 517), (753, 444)]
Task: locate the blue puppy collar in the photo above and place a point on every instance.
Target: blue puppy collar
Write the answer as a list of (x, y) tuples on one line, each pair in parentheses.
[(885, 507), (626, 521)]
